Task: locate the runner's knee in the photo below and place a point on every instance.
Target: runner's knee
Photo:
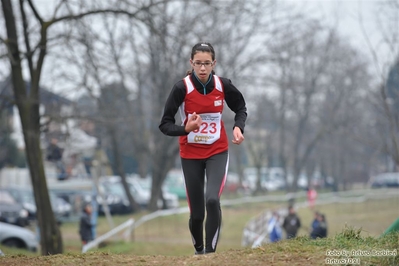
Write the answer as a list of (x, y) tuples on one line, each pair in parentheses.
[(212, 203)]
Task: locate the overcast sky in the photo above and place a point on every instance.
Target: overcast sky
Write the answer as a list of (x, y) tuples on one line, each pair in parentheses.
[(344, 14), (349, 16)]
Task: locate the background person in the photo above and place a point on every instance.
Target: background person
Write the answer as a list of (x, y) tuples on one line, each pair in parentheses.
[(54, 154), (200, 99), (291, 223), (274, 228), (85, 225), (311, 195), (320, 229), (315, 221)]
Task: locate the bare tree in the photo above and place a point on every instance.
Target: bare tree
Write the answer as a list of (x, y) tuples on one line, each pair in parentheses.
[(101, 62), (35, 39), (260, 137), (171, 36), (313, 89), (259, 78), (168, 37), (385, 64)]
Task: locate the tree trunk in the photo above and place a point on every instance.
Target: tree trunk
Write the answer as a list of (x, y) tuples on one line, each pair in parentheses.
[(119, 167), (50, 235), (282, 129), (165, 158), (28, 106)]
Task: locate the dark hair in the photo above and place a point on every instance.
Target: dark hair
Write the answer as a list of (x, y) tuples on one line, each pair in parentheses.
[(85, 205), (202, 47)]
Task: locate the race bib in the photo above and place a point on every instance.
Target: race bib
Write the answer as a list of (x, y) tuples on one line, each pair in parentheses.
[(209, 132)]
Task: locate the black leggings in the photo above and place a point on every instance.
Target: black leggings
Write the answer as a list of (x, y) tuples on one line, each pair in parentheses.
[(194, 170)]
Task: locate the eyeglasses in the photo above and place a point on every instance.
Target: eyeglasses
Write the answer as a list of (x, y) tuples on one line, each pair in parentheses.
[(200, 64)]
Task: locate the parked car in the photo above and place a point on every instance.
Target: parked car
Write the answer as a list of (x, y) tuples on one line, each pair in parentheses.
[(175, 183), (113, 185), (25, 197), (271, 179), (233, 185), (73, 197), (385, 180), (115, 203), (61, 208), (172, 200), (275, 179), (11, 211), (18, 237)]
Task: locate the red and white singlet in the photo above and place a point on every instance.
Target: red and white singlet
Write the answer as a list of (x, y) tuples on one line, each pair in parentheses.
[(211, 138)]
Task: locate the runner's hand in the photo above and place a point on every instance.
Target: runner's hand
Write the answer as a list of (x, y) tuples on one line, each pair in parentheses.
[(238, 137), (193, 123)]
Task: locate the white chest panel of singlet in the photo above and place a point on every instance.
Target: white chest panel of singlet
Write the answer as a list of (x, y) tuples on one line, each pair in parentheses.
[(209, 132)]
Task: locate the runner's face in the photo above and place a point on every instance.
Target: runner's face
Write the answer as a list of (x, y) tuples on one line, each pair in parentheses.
[(201, 70)]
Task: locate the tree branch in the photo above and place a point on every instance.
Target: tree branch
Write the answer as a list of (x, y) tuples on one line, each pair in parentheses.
[(58, 7), (102, 11), (7, 42), (38, 17), (39, 65), (391, 120), (368, 42), (29, 53)]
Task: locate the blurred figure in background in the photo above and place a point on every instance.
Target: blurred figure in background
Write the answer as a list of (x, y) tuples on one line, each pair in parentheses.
[(312, 195), (54, 154), (320, 229), (315, 222), (85, 226), (291, 223), (274, 228)]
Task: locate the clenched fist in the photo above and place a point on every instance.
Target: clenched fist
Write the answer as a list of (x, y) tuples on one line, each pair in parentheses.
[(193, 123)]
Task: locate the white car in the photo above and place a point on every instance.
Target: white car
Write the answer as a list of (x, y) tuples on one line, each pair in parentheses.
[(26, 198), (271, 179), (18, 237), (142, 195), (172, 200)]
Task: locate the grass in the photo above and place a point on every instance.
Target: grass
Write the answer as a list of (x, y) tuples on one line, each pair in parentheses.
[(373, 216), (166, 240)]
